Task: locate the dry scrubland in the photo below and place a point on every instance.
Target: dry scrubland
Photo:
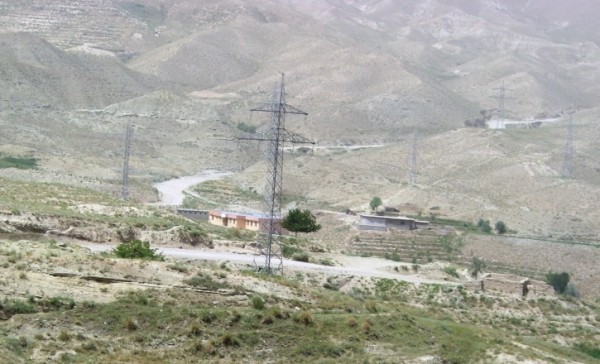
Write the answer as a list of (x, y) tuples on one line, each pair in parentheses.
[(63, 303)]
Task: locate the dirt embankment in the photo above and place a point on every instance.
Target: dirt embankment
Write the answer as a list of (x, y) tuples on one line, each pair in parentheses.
[(95, 231)]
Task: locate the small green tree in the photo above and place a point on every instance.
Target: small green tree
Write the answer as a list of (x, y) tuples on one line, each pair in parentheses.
[(137, 249), (375, 203), (302, 221), (484, 225), (558, 281), (500, 227)]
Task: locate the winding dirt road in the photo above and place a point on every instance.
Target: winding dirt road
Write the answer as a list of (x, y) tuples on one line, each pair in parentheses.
[(171, 192)]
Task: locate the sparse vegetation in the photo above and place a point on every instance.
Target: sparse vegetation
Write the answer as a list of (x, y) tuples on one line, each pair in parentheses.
[(477, 266), (137, 249), (301, 256), (247, 128), (203, 281), (18, 162), (451, 271)]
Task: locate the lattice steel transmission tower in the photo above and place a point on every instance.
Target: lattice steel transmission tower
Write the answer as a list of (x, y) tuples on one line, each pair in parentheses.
[(125, 177), (501, 97), (413, 160), (567, 169), (276, 137)]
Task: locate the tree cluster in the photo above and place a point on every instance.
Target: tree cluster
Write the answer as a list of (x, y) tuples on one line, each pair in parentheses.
[(479, 122), (486, 227), (300, 221)]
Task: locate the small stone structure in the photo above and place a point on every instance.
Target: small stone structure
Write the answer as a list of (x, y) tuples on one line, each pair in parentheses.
[(384, 223), (247, 221), (511, 284), (193, 214)]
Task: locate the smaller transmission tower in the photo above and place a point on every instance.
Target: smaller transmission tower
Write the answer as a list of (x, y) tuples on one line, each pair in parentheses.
[(501, 97), (125, 178), (567, 169), (413, 160), (276, 137)]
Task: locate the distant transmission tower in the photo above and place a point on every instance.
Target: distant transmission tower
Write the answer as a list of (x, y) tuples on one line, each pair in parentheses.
[(276, 136), (413, 160), (501, 97), (125, 179), (567, 169)]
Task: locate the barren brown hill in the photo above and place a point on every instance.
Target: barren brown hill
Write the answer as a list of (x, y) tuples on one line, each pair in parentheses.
[(36, 74), (187, 72)]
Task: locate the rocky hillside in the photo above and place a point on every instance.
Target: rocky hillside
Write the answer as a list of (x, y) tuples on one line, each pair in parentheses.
[(73, 73), (368, 68)]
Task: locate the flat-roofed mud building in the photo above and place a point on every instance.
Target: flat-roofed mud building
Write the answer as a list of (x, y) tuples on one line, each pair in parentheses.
[(385, 223), (247, 221)]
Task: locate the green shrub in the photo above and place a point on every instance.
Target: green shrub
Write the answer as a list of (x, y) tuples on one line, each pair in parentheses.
[(392, 256), (288, 250), (257, 302), (64, 336), (594, 352), (371, 306), (305, 318), (484, 225), (558, 281), (247, 128), (227, 339), (13, 307), (301, 256), (451, 271), (179, 267), (137, 249), (571, 291), (500, 227), (195, 329), (203, 281)]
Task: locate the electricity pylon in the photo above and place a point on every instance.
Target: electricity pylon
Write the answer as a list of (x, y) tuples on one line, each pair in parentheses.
[(413, 160), (501, 96), (276, 136), (125, 177), (567, 169)]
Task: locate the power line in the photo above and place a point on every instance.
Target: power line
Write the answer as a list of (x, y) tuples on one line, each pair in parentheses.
[(276, 136)]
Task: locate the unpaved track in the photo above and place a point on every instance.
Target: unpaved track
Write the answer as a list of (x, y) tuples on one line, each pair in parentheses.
[(171, 191), (362, 267)]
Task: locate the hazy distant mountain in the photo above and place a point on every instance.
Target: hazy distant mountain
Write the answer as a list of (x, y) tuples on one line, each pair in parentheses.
[(36, 74), (354, 65)]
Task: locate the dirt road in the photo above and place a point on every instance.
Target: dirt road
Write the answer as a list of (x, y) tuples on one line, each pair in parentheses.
[(171, 192), (353, 266)]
